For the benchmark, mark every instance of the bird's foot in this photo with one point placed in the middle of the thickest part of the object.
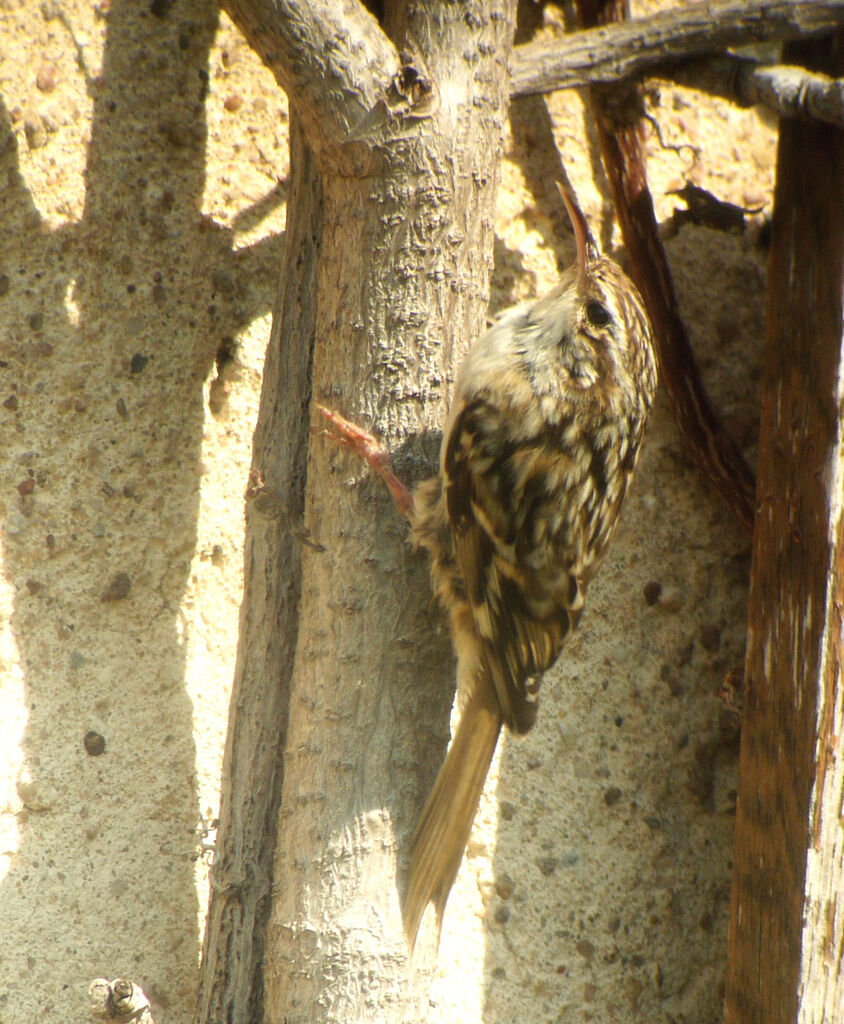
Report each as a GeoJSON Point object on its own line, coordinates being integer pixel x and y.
{"type": "Point", "coordinates": [368, 448]}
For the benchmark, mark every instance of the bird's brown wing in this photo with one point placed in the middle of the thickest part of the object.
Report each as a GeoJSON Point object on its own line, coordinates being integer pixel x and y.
{"type": "Point", "coordinates": [522, 613]}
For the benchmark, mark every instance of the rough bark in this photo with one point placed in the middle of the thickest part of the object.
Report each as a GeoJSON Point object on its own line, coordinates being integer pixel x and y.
{"type": "Point", "coordinates": [787, 917]}
{"type": "Point", "coordinates": [609, 53]}
{"type": "Point", "coordinates": [788, 91]}
{"type": "Point", "coordinates": [344, 677]}
{"type": "Point", "coordinates": [670, 43]}
{"type": "Point", "coordinates": [231, 986]}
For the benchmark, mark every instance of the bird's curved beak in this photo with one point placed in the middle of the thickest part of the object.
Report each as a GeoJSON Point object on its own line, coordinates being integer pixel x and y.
{"type": "Point", "coordinates": [587, 248]}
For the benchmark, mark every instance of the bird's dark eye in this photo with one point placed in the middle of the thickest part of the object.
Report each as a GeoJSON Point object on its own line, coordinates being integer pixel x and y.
{"type": "Point", "coordinates": [597, 314]}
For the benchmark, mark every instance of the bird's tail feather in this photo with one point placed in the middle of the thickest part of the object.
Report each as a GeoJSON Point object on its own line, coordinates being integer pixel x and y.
{"type": "Point", "coordinates": [446, 821]}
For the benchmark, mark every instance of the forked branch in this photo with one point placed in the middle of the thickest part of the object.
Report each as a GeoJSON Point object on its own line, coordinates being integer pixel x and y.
{"type": "Point", "coordinates": [332, 59]}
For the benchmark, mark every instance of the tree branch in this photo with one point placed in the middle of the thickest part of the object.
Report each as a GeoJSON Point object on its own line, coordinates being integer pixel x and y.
{"type": "Point", "coordinates": [626, 49]}
{"type": "Point", "coordinates": [619, 135]}
{"type": "Point", "coordinates": [339, 70]}
{"type": "Point", "coordinates": [787, 90]}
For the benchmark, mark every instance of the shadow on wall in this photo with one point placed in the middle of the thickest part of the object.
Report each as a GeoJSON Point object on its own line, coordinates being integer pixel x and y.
{"type": "Point", "coordinates": [101, 383]}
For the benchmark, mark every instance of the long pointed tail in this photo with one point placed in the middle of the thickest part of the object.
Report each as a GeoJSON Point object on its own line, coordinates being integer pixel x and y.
{"type": "Point", "coordinates": [446, 821]}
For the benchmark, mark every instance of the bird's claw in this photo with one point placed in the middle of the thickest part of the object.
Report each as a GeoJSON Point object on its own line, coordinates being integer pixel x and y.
{"type": "Point", "coordinates": [351, 436]}
{"type": "Point", "coordinates": [367, 447]}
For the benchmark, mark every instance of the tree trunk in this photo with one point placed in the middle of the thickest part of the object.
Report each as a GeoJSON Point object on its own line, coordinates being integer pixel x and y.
{"type": "Point", "coordinates": [343, 670]}
{"type": "Point", "coordinates": [787, 919]}
{"type": "Point", "coordinates": [231, 985]}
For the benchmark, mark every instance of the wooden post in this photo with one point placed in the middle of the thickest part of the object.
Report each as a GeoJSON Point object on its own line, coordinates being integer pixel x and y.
{"type": "Point", "coordinates": [787, 915]}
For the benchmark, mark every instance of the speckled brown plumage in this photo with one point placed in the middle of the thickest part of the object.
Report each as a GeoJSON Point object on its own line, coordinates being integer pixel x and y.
{"type": "Point", "coordinates": [538, 452]}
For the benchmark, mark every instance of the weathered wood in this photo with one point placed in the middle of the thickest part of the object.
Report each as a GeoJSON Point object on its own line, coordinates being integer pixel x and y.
{"type": "Point", "coordinates": [617, 111]}
{"type": "Point", "coordinates": [787, 914]}
{"type": "Point", "coordinates": [611, 52]}
{"type": "Point", "coordinates": [342, 678]}
{"type": "Point", "coordinates": [786, 90]}
{"type": "Point", "coordinates": [231, 985]}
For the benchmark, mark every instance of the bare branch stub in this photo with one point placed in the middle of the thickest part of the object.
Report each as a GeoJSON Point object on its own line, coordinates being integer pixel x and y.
{"type": "Point", "coordinates": [119, 1000]}
{"type": "Point", "coordinates": [617, 111]}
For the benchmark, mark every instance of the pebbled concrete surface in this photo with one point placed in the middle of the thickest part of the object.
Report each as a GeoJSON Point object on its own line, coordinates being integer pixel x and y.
{"type": "Point", "coordinates": [142, 167]}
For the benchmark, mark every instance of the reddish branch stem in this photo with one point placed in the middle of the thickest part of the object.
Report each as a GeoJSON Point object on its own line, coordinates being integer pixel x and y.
{"type": "Point", "coordinates": [619, 133]}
